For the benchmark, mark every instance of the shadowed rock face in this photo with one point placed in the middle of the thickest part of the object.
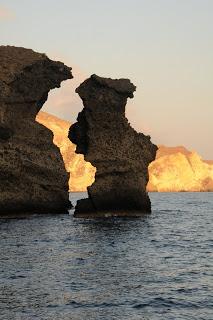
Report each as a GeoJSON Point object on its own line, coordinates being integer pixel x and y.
{"type": "Point", "coordinates": [32, 172]}
{"type": "Point", "coordinates": [120, 154]}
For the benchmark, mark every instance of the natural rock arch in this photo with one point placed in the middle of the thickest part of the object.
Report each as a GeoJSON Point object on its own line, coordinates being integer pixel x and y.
{"type": "Point", "coordinates": [32, 172]}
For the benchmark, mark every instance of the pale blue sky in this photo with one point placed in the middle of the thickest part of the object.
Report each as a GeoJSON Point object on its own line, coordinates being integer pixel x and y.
{"type": "Point", "coordinates": [164, 46]}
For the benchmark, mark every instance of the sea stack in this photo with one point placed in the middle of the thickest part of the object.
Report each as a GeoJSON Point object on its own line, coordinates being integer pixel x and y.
{"type": "Point", "coordinates": [32, 173]}
{"type": "Point", "coordinates": [120, 154]}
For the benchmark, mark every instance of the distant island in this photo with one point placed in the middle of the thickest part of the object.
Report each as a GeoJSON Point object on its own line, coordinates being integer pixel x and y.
{"type": "Point", "coordinates": [175, 169]}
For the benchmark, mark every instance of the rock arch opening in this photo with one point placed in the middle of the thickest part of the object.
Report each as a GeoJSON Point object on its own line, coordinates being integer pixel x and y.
{"type": "Point", "coordinates": [57, 115]}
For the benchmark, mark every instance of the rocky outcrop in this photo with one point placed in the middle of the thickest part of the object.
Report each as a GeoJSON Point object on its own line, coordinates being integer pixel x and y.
{"type": "Point", "coordinates": [32, 172]}
{"type": "Point", "coordinates": [120, 155]}
{"type": "Point", "coordinates": [178, 169]}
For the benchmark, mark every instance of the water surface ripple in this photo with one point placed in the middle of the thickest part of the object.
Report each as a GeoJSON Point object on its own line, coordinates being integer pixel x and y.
{"type": "Point", "coordinates": [156, 267]}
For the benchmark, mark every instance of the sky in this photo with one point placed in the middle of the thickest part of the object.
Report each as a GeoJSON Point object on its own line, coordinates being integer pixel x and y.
{"type": "Point", "coordinates": [165, 47]}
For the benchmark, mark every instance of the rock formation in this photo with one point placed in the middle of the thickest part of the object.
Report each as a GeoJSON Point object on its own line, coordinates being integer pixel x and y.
{"type": "Point", "coordinates": [175, 168]}
{"type": "Point", "coordinates": [120, 155]}
{"type": "Point", "coordinates": [32, 172]}
{"type": "Point", "coordinates": [178, 169]}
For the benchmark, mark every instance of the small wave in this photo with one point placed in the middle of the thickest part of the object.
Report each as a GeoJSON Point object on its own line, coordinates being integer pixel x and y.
{"type": "Point", "coordinates": [166, 302]}
{"type": "Point", "coordinates": [76, 304]}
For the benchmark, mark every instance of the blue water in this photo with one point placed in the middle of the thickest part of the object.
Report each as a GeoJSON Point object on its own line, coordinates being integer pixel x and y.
{"type": "Point", "coordinates": [156, 267]}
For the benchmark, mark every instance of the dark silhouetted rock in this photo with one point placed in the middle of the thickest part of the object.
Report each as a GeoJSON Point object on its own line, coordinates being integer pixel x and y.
{"type": "Point", "coordinates": [32, 172]}
{"type": "Point", "coordinates": [120, 154]}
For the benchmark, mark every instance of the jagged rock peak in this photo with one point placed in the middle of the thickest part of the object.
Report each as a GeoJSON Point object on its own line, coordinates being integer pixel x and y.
{"type": "Point", "coordinates": [32, 172]}
{"type": "Point", "coordinates": [120, 154]}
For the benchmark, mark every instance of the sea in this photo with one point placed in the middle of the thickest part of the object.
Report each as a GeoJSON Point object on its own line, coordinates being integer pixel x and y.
{"type": "Point", "coordinates": [159, 266]}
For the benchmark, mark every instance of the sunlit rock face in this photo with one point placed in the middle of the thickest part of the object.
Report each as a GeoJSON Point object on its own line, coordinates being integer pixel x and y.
{"type": "Point", "coordinates": [120, 155]}
{"type": "Point", "coordinates": [32, 173]}
{"type": "Point", "coordinates": [177, 169]}
{"type": "Point", "coordinates": [81, 172]}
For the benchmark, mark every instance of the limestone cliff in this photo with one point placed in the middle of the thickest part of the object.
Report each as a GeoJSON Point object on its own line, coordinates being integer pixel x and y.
{"type": "Point", "coordinates": [175, 168]}
{"type": "Point", "coordinates": [120, 155]}
{"type": "Point", "coordinates": [81, 172]}
{"type": "Point", "coordinates": [32, 173]}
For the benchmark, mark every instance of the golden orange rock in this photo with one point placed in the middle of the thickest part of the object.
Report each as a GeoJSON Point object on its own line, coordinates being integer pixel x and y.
{"type": "Point", "coordinates": [81, 172]}
{"type": "Point", "coordinates": [175, 168]}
